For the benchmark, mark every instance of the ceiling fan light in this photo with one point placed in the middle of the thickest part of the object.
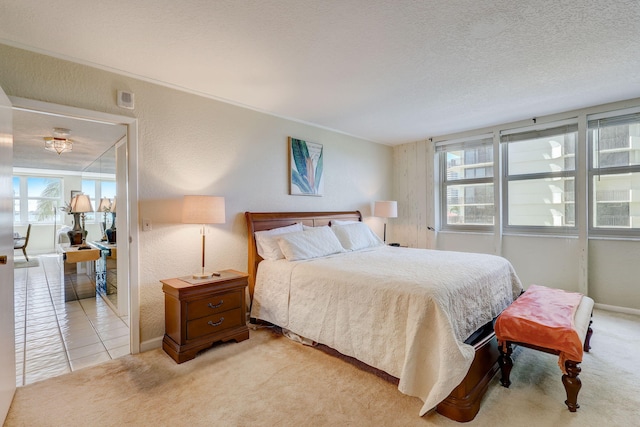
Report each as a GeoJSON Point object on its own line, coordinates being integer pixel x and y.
{"type": "Point", "coordinates": [58, 143]}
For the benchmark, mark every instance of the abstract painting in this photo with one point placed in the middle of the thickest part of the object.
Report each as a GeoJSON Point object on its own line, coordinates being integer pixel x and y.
{"type": "Point", "coordinates": [306, 168]}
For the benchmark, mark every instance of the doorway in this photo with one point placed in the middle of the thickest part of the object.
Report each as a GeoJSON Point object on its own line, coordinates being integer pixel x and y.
{"type": "Point", "coordinates": [55, 336]}
{"type": "Point", "coordinates": [45, 283]}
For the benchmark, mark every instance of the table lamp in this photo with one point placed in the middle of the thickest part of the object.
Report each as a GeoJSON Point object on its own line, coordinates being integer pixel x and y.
{"type": "Point", "coordinates": [82, 204]}
{"type": "Point", "coordinates": [104, 207]}
{"type": "Point", "coordinates": [385, 209]}
{"type": "Point", "coordinates": [203, 210]}
{"type": "Point", "coordinates": [111, 231]}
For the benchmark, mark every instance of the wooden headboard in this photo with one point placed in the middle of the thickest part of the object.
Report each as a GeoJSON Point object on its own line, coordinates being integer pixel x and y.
{"type": "Point", "coordinates": [258, 221]}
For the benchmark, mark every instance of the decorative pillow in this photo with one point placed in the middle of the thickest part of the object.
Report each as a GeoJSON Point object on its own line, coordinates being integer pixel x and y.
{"type": "Point", "coordinates": [356, 236]}
{"type": "Point", "coordinates": [312, 243]}
{"type": "Point", "coordinates": [343, 222]}
{"type": "Point", "coordinates": [267, 244]}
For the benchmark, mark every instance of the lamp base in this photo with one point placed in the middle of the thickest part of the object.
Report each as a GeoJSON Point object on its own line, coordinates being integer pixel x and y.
{"type": "Point", "coordinates": [111, 235]}
{"type": "Point", "coordinates": [103, 227]}
{"type": "Point", "coordinates": [205, 275]}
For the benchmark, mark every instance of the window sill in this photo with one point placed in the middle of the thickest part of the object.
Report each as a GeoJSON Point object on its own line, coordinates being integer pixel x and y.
{"type": "Point", "coordinates": [480, 232]}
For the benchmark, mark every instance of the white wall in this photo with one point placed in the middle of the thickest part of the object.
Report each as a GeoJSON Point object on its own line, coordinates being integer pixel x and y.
{"type": "Point", "coordinates": [614, 269]}
{"type": "Point", "coordinates": [193, 145]}
{"type": "Point", "coordinates": [605, 269]}
{"type": "Point", "coordinates": [545, 260]}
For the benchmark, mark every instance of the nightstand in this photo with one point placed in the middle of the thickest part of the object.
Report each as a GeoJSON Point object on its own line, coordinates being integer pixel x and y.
{"type": "Point", "coordinates": [201, 312]}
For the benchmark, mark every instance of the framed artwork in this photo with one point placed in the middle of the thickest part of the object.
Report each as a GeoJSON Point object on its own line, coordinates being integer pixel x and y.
{"type": "Point", "coordinates": [74, 193]}
{"type": "Point", "coordinates": [305, 168]}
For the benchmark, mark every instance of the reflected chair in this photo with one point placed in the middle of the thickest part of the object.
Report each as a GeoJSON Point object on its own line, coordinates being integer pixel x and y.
{"type": "Point", "coordinates": [22, 243]}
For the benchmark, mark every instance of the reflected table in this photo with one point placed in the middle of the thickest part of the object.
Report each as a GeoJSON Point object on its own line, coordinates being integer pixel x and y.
{"type": "Point", "coordinates": [106, 268]}
{"type": "Point", "coordinates": [78, 272]}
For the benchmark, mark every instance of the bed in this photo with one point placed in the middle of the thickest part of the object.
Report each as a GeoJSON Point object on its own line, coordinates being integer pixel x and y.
{"type": "Point", "coordinates": [424, 317]}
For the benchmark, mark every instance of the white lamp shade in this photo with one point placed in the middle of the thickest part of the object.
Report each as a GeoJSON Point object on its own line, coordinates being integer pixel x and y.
{"type": "Point", "coordinates": [203, 210]}
{"type": "Point", "coordinates": [105, 205]}
{"type": "Point", "coordinates": [81, 203]}
{"type": "Point", "coordinates": [385, 209]}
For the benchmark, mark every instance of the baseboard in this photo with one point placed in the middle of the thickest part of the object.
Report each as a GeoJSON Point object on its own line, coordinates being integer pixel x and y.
{"type": "Point", "coordinates": [617, 309]}
{"type": "Point", "coordinates": [151, 344]}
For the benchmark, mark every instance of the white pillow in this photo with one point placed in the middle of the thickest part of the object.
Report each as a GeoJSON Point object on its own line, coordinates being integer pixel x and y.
{"type": "Point", "coordinates": [266, 242]}
{"type": "Point", "coordinates": [343, 222]}
{"type": "Point", "coordinates": [356, 236]}
{"type": "Point", "coordinates": [312, 243]}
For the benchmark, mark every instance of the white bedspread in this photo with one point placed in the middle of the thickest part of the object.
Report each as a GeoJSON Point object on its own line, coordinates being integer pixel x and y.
{"type": "Point", "coordinates": [403, 311]}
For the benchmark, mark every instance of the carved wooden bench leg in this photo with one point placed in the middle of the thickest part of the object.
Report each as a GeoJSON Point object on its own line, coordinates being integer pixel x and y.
{"type": "Point", "coordinates": [509, 332]}
{"type": "Point", "coordinates": [572, 384]}
{"type": "Point", "coordinates": [506, 364]}
{"type": "Point", "coordinates": [587, 339]}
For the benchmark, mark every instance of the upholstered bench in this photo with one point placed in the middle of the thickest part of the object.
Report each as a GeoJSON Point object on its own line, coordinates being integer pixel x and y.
{"type": "Point", "coordinates": [549, 320]}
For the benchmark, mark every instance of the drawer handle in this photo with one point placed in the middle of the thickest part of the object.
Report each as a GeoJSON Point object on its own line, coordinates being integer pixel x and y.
{"type": "Point", "coordinates": [218, 323]}
{"type": "Point", "coordinates": [217, 305]}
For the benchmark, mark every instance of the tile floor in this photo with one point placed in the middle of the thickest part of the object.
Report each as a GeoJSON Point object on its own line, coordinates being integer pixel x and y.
{"type": "Point", "coordinates": [54, 337]}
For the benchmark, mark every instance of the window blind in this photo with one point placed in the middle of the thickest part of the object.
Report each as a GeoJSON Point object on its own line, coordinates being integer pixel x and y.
{"type": "Point", "coordinates": [461, 144]}
{"type": "Point", "coordinates": [539, 133]}
{"type": "Point", "coordinates": [613, 121]}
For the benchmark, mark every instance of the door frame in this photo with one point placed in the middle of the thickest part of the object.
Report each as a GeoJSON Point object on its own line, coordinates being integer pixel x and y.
{"type": "Point", "coordinates": [131, 225]}
{"type": "Point", "coordinates": [7, 297]}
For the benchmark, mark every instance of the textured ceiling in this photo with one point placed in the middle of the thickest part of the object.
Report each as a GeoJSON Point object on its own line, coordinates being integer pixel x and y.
{"type": "Point", "coordinates": [93, 143]}
{"type": "Point", "coordinates": [390, 71]}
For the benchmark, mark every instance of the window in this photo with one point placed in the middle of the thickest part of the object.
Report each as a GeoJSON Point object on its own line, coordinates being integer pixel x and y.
{"type": "Point", "coordinates": [467, 184]}
{"type": "Point", "coordinates": [36, 199]}
{"type": "Point", "coordinates": [539, 178]}
{"type": "Point", "coordinates": [614, 173]}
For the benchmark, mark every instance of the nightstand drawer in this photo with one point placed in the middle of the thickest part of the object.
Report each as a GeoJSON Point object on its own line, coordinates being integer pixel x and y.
{"type": "Point", "coordinates": [215, 323]}
{"type": "Point", "coordinates": [213, 304]}
{"type": "Point", "coordinates": [197, 315]}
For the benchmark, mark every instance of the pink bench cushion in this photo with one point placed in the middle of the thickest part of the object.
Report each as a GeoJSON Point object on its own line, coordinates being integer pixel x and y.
{"type": "Point", "coordinates": [543, 317]}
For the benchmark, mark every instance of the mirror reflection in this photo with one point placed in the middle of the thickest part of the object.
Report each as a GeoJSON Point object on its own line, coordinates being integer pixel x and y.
{"type": "Point", "coordinates": [99, 182]}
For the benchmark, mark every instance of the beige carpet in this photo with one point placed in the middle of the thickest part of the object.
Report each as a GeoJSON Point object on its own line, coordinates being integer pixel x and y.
{"type": "Point", "coordinates": [271, 381]}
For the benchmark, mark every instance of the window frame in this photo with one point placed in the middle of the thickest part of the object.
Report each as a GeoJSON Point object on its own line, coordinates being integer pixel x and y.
{"type": "Point", "coordinates": [442, 148]}
{"type": "Point", "coordinates": [530, 133]}
{"type": "Point", "coordinates": [617, 117]}
{"type": "Point", "coordinates": [23, 199]}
